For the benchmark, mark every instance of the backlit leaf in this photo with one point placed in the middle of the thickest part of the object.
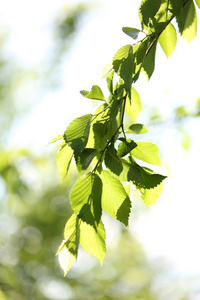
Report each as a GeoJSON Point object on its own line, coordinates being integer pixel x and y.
{"type": "Point", "coordinates": [187, 21]}
{"type": "Point", "coordinates": [133, 106]}
{"type": "Point", "coordinates": [67, 252]}
{"type": "Point", "coordinates": [59, 137]}
{"type": "Point", "coordinates": [76, 134]}
{"type": "Point", "coordinates": [168, 39]}
{"type": "Point", "coordinates": [147, 152]}
{"type": "Point", "coordinates": [96, 93]}
{"type": "Point", "coordinates": [137, 129]}
{"type": "Point", "coordinates": [85, 158]}
{"type": "Point", "coordinates": [92, 239]}
{"type": "Point", "coordinates": [149, 62]}
{"type": "Point", "coordinates": [148, 9]}
{"type": "Point", "coordinates": [125, 146]}
{"type": "Point", "coordinates": [115, 199]}
{"type": "Point", "coordinates": [150, 196]}
{"type": "Point", "coordinates": [63, 160]}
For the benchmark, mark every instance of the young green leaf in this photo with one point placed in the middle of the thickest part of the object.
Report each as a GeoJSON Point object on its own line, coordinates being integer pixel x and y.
{"type": "Point", "coordinates": [133, 106]}
{"type": "Point", "coordinates": [150, 196]}
{"type": "Point", "coordinates": [107, 69]}
{"type": "Point", "coordinates": [85, 158]}
{"type": "Point", "coordinates": [149, 61]}
{"type": "Point", "coordinates": [76, 134]}
{"type": "Point", "coordinates": [148, 9]}
{"type": "Point", "coordinates": [59, 137]}
{"type": "Point", "coordinates": [114, 198]}
{"type": "Point", "coordinates": [197, 3]}
{"type": "Point", "coordinates": [110, 82]}
{"type": "Point", "coordinates": [63, 159]}
{"type": "Point", "coordinates": [137, 129]}
{"type": "Point", "coordinates": [168, 39]}
{"type": "Point", "coordinates": [187, 21]}
{"type": "Point", "coordinates": [132, 32]}
{"type": "Point", "coordinates": [125, 146]}
{"type": "Point", "coordinates": [68, 249]}
{"type": "Point", "coordinates": [147, 152]}
{"type": "Point", "coordinates": [95, 94]}
{"type": "Point", "coordinates": [92, 240]}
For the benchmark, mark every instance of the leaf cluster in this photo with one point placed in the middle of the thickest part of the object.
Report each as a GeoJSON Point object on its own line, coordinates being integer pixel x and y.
{"type": "Point", "coordinates": [107, 150]}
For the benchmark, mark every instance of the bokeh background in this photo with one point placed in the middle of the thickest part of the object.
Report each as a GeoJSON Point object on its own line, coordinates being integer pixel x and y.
{"type": "Point", "coordinates": [49, 51]}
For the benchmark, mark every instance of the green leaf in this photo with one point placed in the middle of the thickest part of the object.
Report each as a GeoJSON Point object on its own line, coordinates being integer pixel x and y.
{"type": "Point", "coordinates": [133, 106]}
{"type": "Point", "coordinates": [140, 56]}
{"type": "Point", "coordinates": [92, 240]}
{"type": "Point", "coordinates": [148, 9]}
{"type": "Point", "coordinates": [59, 137]}
{"type": "Point", "coordinates": [175, 6]}
{"type": "Point", "coordinates": [110, 82]}
{"type": "Point", "coordinates": [149, 62]}
{"type": "Point", "coordinates": [81, 192]}
{"type": "Point", "coordinates": [96, 93]}
{"type": "Point", "coordinates": [115, 199]}
{"type": "Point", "coordinates": [197, 3]}
{"type": "Point", "coordinates": [132, 32]}
{"type": "Point", "coordinates": [123, 64]}
{"type": "Point", "coordinates": [147, 152]}
{"type": "Point", "coordinates": [125, 146]}
{"type": "Point", "coordinates": [150, 196]}
{"type": "Point", "coordinates": [187, 21]}
{"type": "Point", "coordinates": [76, 134]}
{"type": "Point", "coordinates": [68, 249]}
{"type": "Point", "coordinates": [107, 69]}
{"type": "Point", "coordinates": [137, 129]}
{"type": "Point", "coordinates": [168, 39]}
{"type": "Point", "coordinates": [85, 158]}
{"type": "Point", "coordinates": [92, 210]}
{"type": "Point", "coordinates": [63, 160]}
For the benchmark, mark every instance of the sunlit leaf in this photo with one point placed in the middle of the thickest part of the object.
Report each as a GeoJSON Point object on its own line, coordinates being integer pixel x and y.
{"type": "Point", "coordinates": [76, 134]}
{"type": "Point", "coordinates": [115, 200]}
{"type": "Point", "coordinates": [197, 3]}
{"type": "Point", "coordinates": [67, 252]}
{"type": "Point", "coordinates": [107, 69]}
{"type": "Point", "coordinates": [63, 160]}
{"type": "Point", "coordinates": [148, 9]}
{"type": "Point", "coordinates": [147, 152]}
{"type": "Point", "coordinates": [149, 62]}
{"type": "Point", "coordinates": [168, 39]}
{"type": "Point", "coordinates": [59, 137]}
{"type": "Point", "coordinates": [187, 21]}
{"type": "Point", "coordinates": [96, 93]}
{"type": "Point", "coordinates": [92, 239]}
{"type": "Point", "coordinates": [133, 106]}
{"type": "Point", "coordinates": [85, 158]}
{"type": "Point", "coordinates": [137, 129]}
{"type": "Point", "coordinates": [125, 146]}
{"type": "Point", "coordinates": [150, 196]}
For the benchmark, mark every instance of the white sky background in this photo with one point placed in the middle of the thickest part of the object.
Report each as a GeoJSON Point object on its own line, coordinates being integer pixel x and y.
{"type": "Point", "coordinates": [170, 228]}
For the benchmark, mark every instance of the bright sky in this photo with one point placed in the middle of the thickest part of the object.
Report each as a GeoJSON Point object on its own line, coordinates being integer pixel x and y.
{"type": "Point", "coordinates": [170, 228]}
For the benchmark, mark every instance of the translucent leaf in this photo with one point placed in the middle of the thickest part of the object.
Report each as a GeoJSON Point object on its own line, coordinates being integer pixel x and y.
{"type": "Point", "coordinates": [125, 146]}
{"type": "Point", "coordinates": [76, 134]}
{"type": "Point", "coordinates": [132, 32]}
{"type": "Point", "coordinates": [68, 249]}
{"type": "Point", "coordinates": [197, 3]}
{"type": "Point", "coordinates": [85, 158]}
{"type": "Point", "coordinates": [168, 39]}
{"type": "Point", "coordinates": [92, 239]}
{"type": "Point", "coordinates": [149, 62]}
{"type": "Point", "coordinates": [81, 192]}
{"type": "Point", "coordinates": [175, 6]}
{"type": "Point", "coordinates": [59, 137]}
{"type": "Point", "coordinates": [137, 129]}
{"type": "Point", "coordinates": [107, 69]}
{"type": "Point", "coordinates": [96, 93]}
{"type": "Point", "coordinates": [147, 152]}
{"type": "Point", "coordinates": [115, 199]}
{"type": "Point", "coordinates": [140, 57]}
{"type": "Point", "coordinates": [87, 191]}
{"type": "Point", "coordinates": [63, 160]}
{"type": "Point", "coordinates": [110, 82]}
{"type": "Point", "coordinates": [187, 21]}
{"type": "Point", "coordinates": [150, 196]}
{"type": "Point", "coordinates": [148, 9]}
{"type": "Point", "coordinates": [133, 106]}
{"type": "Point", "coordinates": [123, 64]}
